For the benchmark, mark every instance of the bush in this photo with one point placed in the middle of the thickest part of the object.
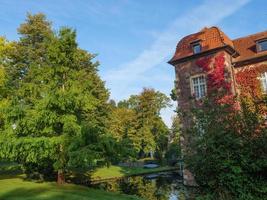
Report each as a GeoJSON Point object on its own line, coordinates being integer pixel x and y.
{"type": "Point", "coordinates": [173, 153]}
{"type": "Point", "coordinates": [229, 157]}
{"type": "Point", "coordinates": [40, 171]}
{"type": "Point", "coordinates": [9, 168]}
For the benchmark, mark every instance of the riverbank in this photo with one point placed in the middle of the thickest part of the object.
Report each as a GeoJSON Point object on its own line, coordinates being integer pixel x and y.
{"type": "Point", "coordinates": [15, 188]}
{"type": "Point", "coordinates": [162, 185]}
{"type": "Point", "coordinates": [114, 172]}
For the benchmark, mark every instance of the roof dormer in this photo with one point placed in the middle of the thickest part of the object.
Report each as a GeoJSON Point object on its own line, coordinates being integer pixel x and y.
{"type": "Point", "coordinates": [196, 47]}
{"type": "Point", "coordinates": [261, 45]}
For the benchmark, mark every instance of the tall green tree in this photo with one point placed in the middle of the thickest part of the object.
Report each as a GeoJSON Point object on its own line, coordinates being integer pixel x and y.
{"type": "Point", "coordinates": [5, 47]}
{"type": "Point", "coordinates": [58, 100]}
{"type": "Point", "coordinates": [148, 131]}
{"type": "Point", "coordinates": [174, 147]}
{"type": "Point", "coordinates": [150, 126]}
{"type": "Point", "coordinates": [123, 128]}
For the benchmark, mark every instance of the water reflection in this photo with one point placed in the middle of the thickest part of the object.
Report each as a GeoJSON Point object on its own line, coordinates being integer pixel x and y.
{"type": "Point", "coordinates": [163, 186]}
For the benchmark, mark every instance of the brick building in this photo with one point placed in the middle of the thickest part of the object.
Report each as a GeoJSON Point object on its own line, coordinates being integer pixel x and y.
{"type": "Point", "coordinates": [239, 55]}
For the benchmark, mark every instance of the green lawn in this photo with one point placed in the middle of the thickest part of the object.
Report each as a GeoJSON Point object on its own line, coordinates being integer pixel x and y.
{"type": "Point", "coordinates": [117, 171]}
{"type": "Point", "coordinates": [14, 188]}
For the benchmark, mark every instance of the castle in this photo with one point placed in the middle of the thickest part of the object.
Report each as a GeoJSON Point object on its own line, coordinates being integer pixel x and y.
{"type": "Point", "coordinates": [197, 52]}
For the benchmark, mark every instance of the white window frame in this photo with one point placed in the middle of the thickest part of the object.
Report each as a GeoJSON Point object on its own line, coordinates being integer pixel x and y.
{"type": "Point", "coordinates": [198, 85]}
{"type": "Point", "coordinates": [263, 80]}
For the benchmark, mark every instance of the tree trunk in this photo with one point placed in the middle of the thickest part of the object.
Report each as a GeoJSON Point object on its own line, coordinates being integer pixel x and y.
{"type": "Point", "coordinates": [60, 177]}
{"type": "Point", "coordinates": [60, 172]}
{"type": "Point", "coordinates": [151, 154]}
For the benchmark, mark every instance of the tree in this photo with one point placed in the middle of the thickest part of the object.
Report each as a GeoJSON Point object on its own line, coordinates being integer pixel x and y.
{"type": "Point", "coordinates": [112, 103]}
{"type": "Point", "coordinates": [148, 132]}
{"type": "Point", "coordinates": [123, 129]}
{"type": "Point", "coordinates": [175, 129]}
{"type": "Point", "coordinates": [59, 105]}
{"type": "Point", "coordinates": [5, 47]}
{"type": "Point", "coordinates": [174, 148]}
{"type": "Point", "coordinates": [148, 106]}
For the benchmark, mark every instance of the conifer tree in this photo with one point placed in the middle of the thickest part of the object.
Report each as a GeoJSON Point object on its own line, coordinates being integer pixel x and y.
{"type": "Point", "coordinates": [58, 110]}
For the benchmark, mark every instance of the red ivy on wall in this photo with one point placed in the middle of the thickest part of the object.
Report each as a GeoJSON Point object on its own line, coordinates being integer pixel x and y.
{"type": "Point", "coordinates": [250, 87]}
{"type": "Point", "coordinates": [249, 83]}
{"type": "Point", "coordinates": [218, 85]}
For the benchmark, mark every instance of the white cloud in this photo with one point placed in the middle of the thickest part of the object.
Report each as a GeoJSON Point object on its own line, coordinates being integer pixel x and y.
{"type": "Point", "coordinates": [210, 12]}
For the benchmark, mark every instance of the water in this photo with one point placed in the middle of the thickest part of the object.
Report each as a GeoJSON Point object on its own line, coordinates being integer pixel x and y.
{"type": "Point", "coordinates": [161, 186]}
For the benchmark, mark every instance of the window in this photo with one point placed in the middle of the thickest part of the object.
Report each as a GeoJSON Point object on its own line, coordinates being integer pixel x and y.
{"type": "Point", "coordinates": [198, 86]}
{"type": "Point", "coordinates": [263, 79]}
{"type": "Point", "coordinates": [262, 45]}
{"type": "Point", "coordinates": [196, 47]}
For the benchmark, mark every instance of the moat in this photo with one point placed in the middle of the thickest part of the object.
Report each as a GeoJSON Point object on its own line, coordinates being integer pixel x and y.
{"type": "Point", "coordinates": [159, 186]}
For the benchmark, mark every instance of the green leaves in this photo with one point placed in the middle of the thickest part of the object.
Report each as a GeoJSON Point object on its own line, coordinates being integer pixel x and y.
{"type": "Point", "coordinates": [228, 159]}
{"type": "Point", "coordinates": [28, 149]}
{"type": "Point", "coordinates": [54, 91]}
{"type": "Point", "coordinates": [137, 124]}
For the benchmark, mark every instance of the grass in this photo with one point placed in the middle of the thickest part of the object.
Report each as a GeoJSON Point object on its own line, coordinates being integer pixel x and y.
{"type": "Point", "coordinates": [15, 188]}
{"type": "Point", "coordinates": [118, 172]}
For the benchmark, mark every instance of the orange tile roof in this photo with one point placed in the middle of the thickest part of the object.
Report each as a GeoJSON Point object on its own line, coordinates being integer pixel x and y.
{"type": "Point", "coordinates": [210, 38]}
{"type": "Point", "coordinates": [246, 46]}
{"type": "Point", "coordinates": [213, 37]}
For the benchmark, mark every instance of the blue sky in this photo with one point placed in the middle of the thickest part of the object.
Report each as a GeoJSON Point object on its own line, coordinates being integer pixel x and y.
{"type": "Point", "coordinates": [134, 39]}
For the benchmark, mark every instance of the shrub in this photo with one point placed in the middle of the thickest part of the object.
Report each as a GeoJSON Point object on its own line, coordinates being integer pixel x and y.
{"type": "Point", "coordinates": [229, 157]}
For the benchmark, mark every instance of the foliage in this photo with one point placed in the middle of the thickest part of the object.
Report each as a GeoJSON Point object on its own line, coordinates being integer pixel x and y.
{"type": "Point", "coordinates": [174, 149]}
{"type": "Point", "coordinates": [5, 47]}
{"type": "Point", "coordinates": [56, 109]}
{"type": "Point", "coordinates": [218, 78]}
{"type": "Point", "coordinates": [149, 124]}
{"type": "Point", "coordinates": [173, 153]}
{"type": "Point", "coordinates": [122, 128]}
{"type": "Point", "coordinates": [55, 114]}
{"type": "Point", "coordinates": [174, 95]}
{"type": "Point", "coordinates": [228, 157]}
{"type": "Point", "coordinates": [229, 160]}
{"type": "Point", "coordinates": [250, 88]}
{"type": "Point", "coordinates": [9, 168]}
{"type": "Point", "coordinates": [138, 126]}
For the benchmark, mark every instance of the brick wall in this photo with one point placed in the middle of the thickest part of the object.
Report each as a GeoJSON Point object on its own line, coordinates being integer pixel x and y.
{"type": "Point", "coordinates": [183, 73]}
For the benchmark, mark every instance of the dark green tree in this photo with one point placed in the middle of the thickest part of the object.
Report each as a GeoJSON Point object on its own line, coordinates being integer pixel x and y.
{"type": "Point", "coordinates": [59, 105]}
